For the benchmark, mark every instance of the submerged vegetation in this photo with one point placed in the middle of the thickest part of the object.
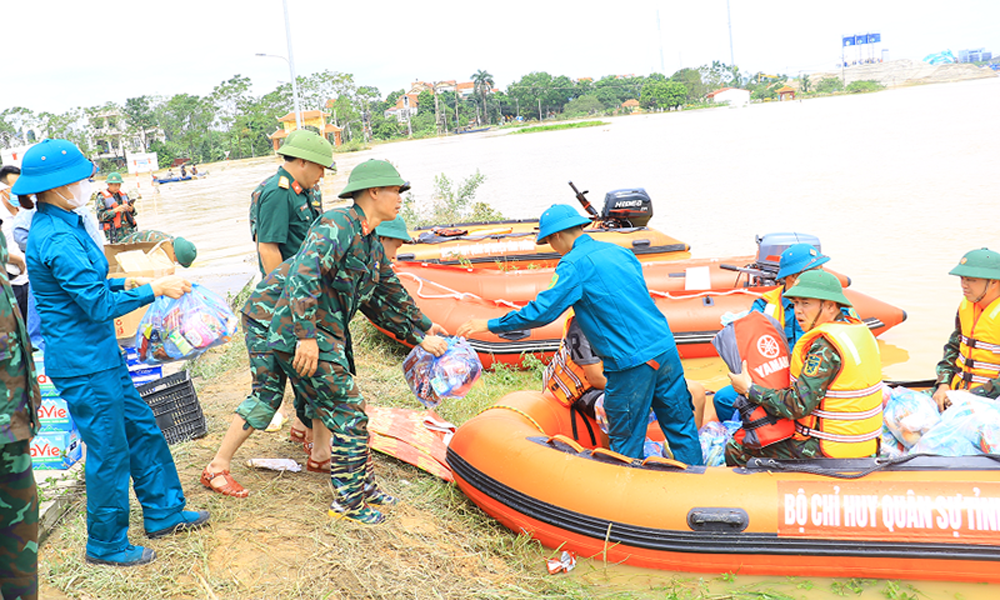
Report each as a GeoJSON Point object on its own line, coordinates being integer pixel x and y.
{"type": "Point", "coordinates": [556, 127]}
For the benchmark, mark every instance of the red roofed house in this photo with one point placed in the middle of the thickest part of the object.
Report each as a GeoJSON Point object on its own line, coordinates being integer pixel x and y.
{"type": "Point", "coordinates": [631, 105]}
{"type": "Point", "coordinates": [785, 92]}
{"type": "Point", "coordinates": [734, 96]}
{"type": "Point", "coordinates": [406, 107]}
{"type": "Point", "coordinates": [310, 118]}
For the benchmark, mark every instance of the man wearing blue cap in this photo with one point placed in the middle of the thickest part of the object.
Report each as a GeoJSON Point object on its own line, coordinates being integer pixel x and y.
{"type": "Point", "coordinates": [604, 285]}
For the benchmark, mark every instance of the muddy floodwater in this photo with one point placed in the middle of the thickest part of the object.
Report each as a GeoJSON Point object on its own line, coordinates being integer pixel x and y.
{"type": "Point", "coordinates": [897, 185]}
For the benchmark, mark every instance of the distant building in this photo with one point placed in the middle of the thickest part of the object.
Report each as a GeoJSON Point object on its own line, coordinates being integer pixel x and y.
{"type": "Point", "coordinates": [110, 136]}
{"type": "Point", "coordinates": [310, 118]}
{"type": "Point", "coordinates": [785, 92]}
{"type": "Point", "coordinates": [734, 96]}
{"type": "Point", "coordinates": [631, 105]}
{"type": "Point", "coordinates": [977, 55]}
{"type": "Point", "coordinates": [405, 108]}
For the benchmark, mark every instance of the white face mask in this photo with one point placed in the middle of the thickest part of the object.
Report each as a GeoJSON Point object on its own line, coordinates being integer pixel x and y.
{"type": "Point", "coordinates": [80, 194]}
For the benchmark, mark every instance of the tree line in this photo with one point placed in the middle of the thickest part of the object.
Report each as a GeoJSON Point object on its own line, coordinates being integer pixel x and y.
{"type": "Point", "coordinates": [231, 122]}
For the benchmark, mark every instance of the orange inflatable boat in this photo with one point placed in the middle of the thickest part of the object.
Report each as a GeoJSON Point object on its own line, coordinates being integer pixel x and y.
{"type": "Point", "coordinates": [917, 517]}
{"type": "Point", "coordinates": [450, 296]}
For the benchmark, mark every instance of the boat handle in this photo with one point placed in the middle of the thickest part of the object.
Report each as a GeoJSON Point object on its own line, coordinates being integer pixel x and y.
{"type": "Point", "coordinates": [605, 453]}
{"type": "Point", "coordinates": [662, 461]}
{"type": "Point", "coordinates": [407, 256]}
{"type": "Point", "coordinates": [718, 519]}
{"type": "Point", "coordinates": [562, 439]}
{"type": "Point", "coordinates": [643, 243]}
{"type": "Point", "coordinates": [708, 301]}
{"type": "Point", "coordinates": [517, 334]}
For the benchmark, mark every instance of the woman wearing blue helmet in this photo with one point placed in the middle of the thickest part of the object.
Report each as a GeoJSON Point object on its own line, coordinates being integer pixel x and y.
{"type": "Point", "coordinates": [77, 304]}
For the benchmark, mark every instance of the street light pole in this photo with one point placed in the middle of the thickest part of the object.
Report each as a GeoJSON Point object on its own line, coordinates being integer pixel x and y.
{"type": "Point", "coordinates": [291, 67]}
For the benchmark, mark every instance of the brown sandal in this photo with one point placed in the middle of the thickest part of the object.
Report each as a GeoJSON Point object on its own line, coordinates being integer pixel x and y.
{"type": "Point", "coordinates": [227, 486]}
{"type": "Point", "coordinates": [318, 467]}
{"type": "Point", "coordinates": [297, 435]}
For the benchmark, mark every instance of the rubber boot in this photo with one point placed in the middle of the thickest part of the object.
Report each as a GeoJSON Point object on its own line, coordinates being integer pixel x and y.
{"type": "Point", "coordinates": [347, 480]}
{"type": "Point", "coordinates": [374, 495]}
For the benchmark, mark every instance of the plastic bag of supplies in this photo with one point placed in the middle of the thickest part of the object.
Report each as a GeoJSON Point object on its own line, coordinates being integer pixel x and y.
{"type": "Point", "coordinates": [182, 328]}
{"type": "Point", "coordinates": [714, 436]}
{"type": "Point", "coordinates": [909, 415]}
{"type": "Point", "coordinates": [451, 375]}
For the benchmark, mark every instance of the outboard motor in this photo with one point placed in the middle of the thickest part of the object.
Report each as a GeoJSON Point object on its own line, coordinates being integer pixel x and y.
{"type": "Point", "coordinates": [769, 248]}
{"type": "Point", "coordinates": [627, 208]}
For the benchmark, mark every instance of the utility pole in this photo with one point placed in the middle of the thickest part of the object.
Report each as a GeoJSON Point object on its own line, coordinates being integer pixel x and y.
{"type": "Point", "coordinates": [660, 35]}
{"type": "Point", "coordinates": [291, 67]}
{"type": "Point", "coordinates": [732, 60]}
{"type": "Point", "coordinates": [540, 110]}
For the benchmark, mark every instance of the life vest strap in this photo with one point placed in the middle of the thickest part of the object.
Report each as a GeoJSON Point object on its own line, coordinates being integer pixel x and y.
{"type": "Point", "coordinates": [968, 363]}
{"type": "Point", "coordinates": [848, 416]}
{"type": "Point", "coordinates": [837, 437]}
{"type": "Point", "coordinates": [854, 393]}
{"type": "Point", "coordinates": [974, 343]}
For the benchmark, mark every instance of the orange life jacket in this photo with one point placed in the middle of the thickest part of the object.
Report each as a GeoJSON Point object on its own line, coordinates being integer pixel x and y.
{"type": "Point", "coordinates": [848, 421]}
{"type": "Point", "coordinates": [979, 350]}
{"type": "Point", "coordinates": [565, 379]}
{"type": "Point", "coordinates": [109, 202]}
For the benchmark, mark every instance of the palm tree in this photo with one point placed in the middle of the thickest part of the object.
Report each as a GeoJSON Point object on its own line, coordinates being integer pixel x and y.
{"type": "Point", "coordinates": [482, 83]}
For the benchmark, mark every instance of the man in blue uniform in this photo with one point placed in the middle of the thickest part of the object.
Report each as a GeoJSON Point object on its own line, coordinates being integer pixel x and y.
{"type": "Point", "coordinates": [603, 283]}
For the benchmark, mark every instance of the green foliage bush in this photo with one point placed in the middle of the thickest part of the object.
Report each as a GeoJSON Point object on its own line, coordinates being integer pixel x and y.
{"type": "Point", "coordinates": [450, 204]}
{"type": "Point", "coordinates": [864, 85]}
{"type": "Point", "coordinates": [829, 85]}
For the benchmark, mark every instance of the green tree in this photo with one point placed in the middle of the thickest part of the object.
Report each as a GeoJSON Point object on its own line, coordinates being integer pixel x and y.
{"type": "Point", "coordinates": [659, 92]}
{"type": "Point", "coordinates": [691, 80]}
{"type": "Point", "coordinates": [805, 85]}
{"type": "Point", "coordinates": [230, 100]}
{"type": "Point", "coordinates": [140, 118]}
{"type": "Point", "coordinates": [864, 85]}
{"type": "Point", "coordinates": [67, 126]}
{"type": "Point", "coordinates": [425, 103]}
{"type": "Point", "coordinates": [482, 83]}
{"type": "Point", "coordinates": [186, 120]}
{"type": "Point", "coordinates": [583, 105]}
{"type": "Point", "coordinates": [829, 85]}
{"type": "Point", "coordinates": [19, 119]}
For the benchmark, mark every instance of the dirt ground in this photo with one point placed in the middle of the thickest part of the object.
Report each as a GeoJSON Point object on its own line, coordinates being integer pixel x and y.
{"type": "Point", "coordinates": [280, 543]}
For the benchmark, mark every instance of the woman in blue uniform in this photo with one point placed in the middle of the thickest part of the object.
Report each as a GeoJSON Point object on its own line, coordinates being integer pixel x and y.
{"type": "Point", "coordinates": [77, 304]}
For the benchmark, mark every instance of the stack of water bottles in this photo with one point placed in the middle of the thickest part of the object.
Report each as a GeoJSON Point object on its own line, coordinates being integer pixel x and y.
{"type": "Point", "coordinates": [57, 445]}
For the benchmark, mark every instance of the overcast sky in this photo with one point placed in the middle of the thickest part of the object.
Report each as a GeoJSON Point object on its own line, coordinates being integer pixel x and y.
{"type": "Point", "coordinates": [66, 53]}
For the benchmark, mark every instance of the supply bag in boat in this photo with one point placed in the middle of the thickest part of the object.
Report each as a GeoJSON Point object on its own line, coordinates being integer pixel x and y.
{"type": "Point", "coordinates": [177, 329]}
{"type": "Point", "coordinates": [909, 414]}
{"type": "Point", "coordinates": [757, 339]}
{"type": "Point", "coordinates": [451, 375]}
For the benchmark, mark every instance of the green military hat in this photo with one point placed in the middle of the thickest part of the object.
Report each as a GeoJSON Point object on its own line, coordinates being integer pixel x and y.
{"type": "Point", "coordinates": [820, 285]}
{"type": "Point", "coordinates": [372, 174]}
{"type": "Point", "coordinates": [395, 229]}
{"type": "Point", "coordinates": [978, 264]}
{"type": "Point", "coordinates": [184, 251]}
{"type": "Point", "coordinates": [308, 145]}
{"type": "Point", "coordinates": [115, 177]}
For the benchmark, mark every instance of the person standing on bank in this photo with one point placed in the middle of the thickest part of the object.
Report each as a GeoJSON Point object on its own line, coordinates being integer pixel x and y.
{"type": "Point", "coordinates": [341, 269]}
{"type": "Point", "coordinates": [604, 285]}
{"type": "Point", "coordinates": [283, 208]}
{"type": "Point", "coordinates": [77, 304]}
{"type": "Point", "coordinates": [114, 209]}
{"type": "Point", "coordinates": [19, 403]}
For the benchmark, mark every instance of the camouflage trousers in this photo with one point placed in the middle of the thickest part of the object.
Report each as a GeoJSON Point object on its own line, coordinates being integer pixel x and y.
{"type": "Point", "coordinates": [335, 400]}
{"type": "Point", "coordinates": [268, 387]}
{"type": "Point", "coordinates": [115, 236]}
{"type": "Point", "coordinates": [18, 523]}
{"type": "Point", "coordinates": [737, 455]}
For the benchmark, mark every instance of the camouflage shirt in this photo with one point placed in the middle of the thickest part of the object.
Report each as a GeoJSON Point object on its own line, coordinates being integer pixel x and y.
{"type": "Point", "coordinates": [20, 396]}
{"type": "Point", "coordinates": [146, 235]}
{"type": "Point", "coordinates": [804, 396]}
{"type": "Point", "coordinates": [106, 215]}
{"type": "Point", "coordinates": [340, 269]}
{"type": "Point", "coordinates": [260, 305]}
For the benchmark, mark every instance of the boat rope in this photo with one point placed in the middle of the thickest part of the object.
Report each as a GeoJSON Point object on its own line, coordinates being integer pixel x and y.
{"type": "Point", "coordinates": [518, 411]}
{"type": "Point", "coordinates": [879, 464]}
{"type": "Point", "coordinates": [659, 294]}
{"type": "Point", "coordinates": [450, 293]}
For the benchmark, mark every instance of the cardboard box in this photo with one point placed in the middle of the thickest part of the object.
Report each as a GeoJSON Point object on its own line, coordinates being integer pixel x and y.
{"type": "Point", "coordinates": [126, 325]}
{"type": "Point", "coordinates": [45, 384]}
{"type": "Point", "coordinates": [53, 415]}
{"type": "Point", "coordinates": [58, 450]}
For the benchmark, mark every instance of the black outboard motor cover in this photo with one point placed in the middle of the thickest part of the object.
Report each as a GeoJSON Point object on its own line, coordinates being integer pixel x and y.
{"type": "Point", "coordinates": [630, 208]}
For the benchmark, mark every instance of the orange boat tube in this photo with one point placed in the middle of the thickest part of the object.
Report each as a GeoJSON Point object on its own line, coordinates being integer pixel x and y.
{"type": "Point", "coordinates": [916, 517]}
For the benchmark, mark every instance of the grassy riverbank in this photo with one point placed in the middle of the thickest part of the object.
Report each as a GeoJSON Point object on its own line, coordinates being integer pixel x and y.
{"type": "Point", "coordinates": [558, 126]}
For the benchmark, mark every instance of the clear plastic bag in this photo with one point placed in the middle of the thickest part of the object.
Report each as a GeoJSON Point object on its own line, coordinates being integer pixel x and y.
{"type": "Point", "coordinates": [451, 375]}
{"type": "Point", "coordinates": [955, 436]}
{"type": "Point", "coordinates": [714, 436]}
{"type": "Point", "coordinates": [182, 328]}
{"type": "Point", "coordinates": [890, 446]}
{"type": "Point", "coordinates": [909, 415]}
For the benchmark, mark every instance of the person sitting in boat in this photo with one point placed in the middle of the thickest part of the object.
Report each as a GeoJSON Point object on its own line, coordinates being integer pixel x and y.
{"type": "Point", "coordinates": [114, 209]}
{"type": "Point", "coordinates": [972, 355]}
{"type": "Point", "coordinates": [836, 393]}
{"type": "Point", "coordinates": [604, 285]}
{"type": "Point", "coordinates": [575, 375]}
{"type": "Point", "coordinates": [393, 235]}
{"type": "Point", "coordinates": [183, 171]}
{"type": "Point", "coordinates": [795, 260]}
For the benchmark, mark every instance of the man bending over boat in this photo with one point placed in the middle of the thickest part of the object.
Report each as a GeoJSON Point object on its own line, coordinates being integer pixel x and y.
{"type": "Point", "coordinates": [972, 355]}
{"type": "Point", "coordinates": [604, 285]}
{"type": "Point", "coordinates": [835, 397]}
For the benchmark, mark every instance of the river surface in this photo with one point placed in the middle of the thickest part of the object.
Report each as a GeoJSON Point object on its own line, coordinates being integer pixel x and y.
{"type": "Point", "coordinates": [897, 185]}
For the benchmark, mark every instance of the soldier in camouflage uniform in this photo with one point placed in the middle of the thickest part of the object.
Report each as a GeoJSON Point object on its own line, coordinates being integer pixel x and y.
{"type": "Point", "coordinates": [114, 210]}
{"type": "Point", "coordinates": [267, 391]}
{"type": "Point", "coordinates": [19, 403]}
{"type": "Point", "coordinates": [821, 366]}
{"type": "Point", "coordinates": [184, 251]}
{"type": "Point", "coordinates": [340, 269]}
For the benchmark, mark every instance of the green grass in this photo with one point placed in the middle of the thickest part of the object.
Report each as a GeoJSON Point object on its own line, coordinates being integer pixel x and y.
{"type": "Point", "coordinates": [558, 126]}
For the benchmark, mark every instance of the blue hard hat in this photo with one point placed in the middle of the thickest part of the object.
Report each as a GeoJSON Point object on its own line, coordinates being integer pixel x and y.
{"type": "Point", "coordinates": [798, 258]}
{"type": "Point", "coordinates": [51, 164]}
{"type": "Point", "coordinates": [558, 217]}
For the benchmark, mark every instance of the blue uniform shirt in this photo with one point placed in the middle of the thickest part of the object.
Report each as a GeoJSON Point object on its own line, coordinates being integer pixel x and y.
{"type": "Point", "coordinates": [604, 284]}
{"type": "Point", "coordinates": [76, 301]}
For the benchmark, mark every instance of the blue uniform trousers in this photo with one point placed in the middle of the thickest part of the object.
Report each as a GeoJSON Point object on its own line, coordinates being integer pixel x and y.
{"type": "Point", "coordinates": [629, 396]}
{"type": "Point", "coordinates": [123, 441]}
{"type": "Point", "coordinates": [723, 401]}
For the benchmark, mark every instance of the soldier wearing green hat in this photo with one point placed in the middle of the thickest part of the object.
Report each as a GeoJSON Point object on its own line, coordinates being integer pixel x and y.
{"type": "Point", "coordinates": [114, 209]}
{"type": "Point", "coordinates": [835, 395]}
{"type": "Point", "coordinates": [972, 355]}
{"type": "Point", "coordinates": [393, 235]}
{"type": "Point", "coordinates": [284, 206]}
{"type": "Point", "coordinates": [341, 269]}
{"type": "Point", "coordinates": [184, 251]}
